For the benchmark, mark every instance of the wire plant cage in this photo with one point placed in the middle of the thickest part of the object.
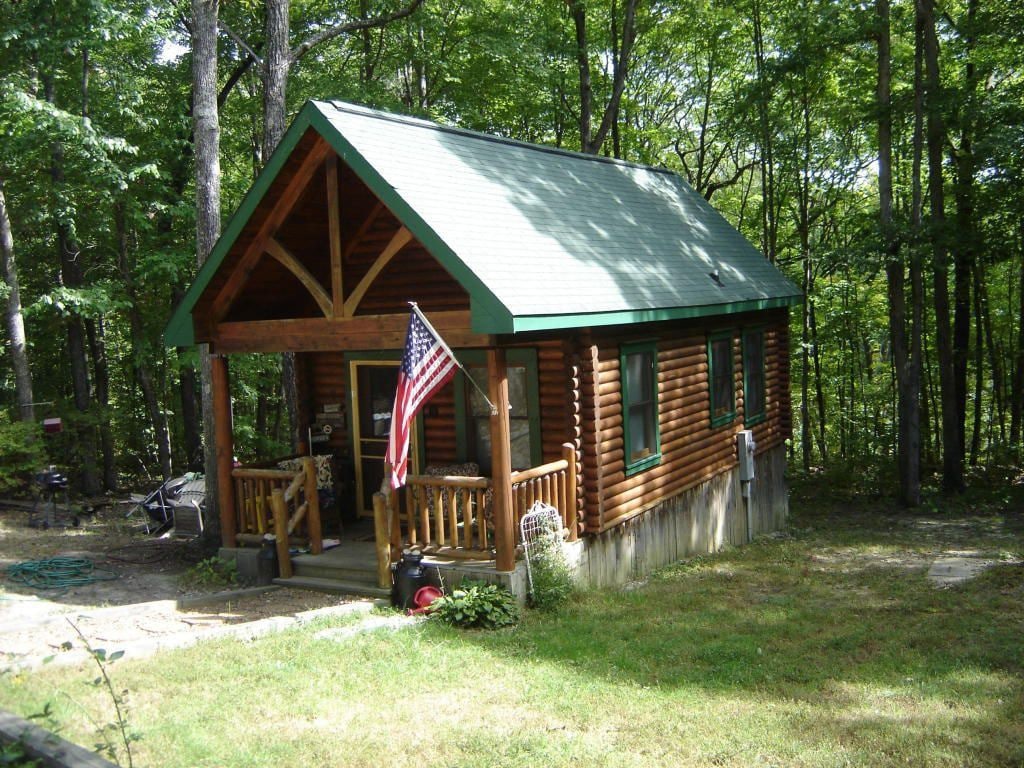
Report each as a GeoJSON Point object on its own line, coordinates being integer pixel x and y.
{"type": "Point", "coordinates": [541, 532]}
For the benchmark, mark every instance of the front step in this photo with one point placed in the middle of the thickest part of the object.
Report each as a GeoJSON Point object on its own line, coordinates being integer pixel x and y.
{"type": "Point", "coordinates": [335, 586]}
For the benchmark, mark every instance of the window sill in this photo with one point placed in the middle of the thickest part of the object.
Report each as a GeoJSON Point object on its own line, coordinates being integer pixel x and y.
{"type": "Point", "coordinates": [641, 464]}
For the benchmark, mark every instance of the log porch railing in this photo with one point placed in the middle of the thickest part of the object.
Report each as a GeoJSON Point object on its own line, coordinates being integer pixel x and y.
{"type": "Point", "coordinates": [451, 516]}
{"type": "Point", "coordinates": [281, 502]}
{"type": "Point", "coordinates": [552, 484]}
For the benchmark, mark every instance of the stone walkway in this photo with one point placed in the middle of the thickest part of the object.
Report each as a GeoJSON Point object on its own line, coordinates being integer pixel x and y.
{"type": "Point", "coordinates": [958, 567]}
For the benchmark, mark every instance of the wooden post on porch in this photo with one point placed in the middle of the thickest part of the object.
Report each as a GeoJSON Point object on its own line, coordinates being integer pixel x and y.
{"type": "Point", "coordinates": [224, 448]}
{"type": "Point", "coordinates": [382, 537]}
{"type": "Point", "coordinates": [571, 511]}
{"type": "Point", "coordinates": [280, 509]}
{"type": "Point", "coordinates": [313, 526]}
{"type": "Point", "coordinates": [501, 461]}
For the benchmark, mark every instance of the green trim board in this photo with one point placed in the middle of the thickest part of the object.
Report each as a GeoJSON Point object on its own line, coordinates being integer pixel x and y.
{"type": "Point", "coordinates": [714, 371]}
{"type": "Point", "coordinates": [752, 339]}
{"type": "Point", "coordinates": [645, 402]}
{"type": "Point", "coordinates": [616, 242]}
{"type": "Point", "coordinates": [635, 317]}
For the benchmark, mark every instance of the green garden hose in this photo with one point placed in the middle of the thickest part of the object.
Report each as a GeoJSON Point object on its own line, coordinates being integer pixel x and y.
{"type": "Point", "coordinates": [58, 573]}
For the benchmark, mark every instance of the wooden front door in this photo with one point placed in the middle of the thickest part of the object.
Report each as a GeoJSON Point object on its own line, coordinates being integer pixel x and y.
{"type": "Point", "coordinates": [373, 396]}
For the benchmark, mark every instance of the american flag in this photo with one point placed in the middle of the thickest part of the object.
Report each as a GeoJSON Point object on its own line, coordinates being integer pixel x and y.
{"type": "Point", "coordinates": [427, 365]}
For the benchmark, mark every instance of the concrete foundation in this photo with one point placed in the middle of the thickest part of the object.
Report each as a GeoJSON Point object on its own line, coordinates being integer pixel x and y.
{"type": "Point", "coordinates": [702, 520]}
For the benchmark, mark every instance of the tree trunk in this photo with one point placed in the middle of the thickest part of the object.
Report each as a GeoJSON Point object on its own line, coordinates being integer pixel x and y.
{"type": "Point", "coordinates": [994, 353]}
{"type": "Point", "coordinates": [979, 377]}
{"type": "Point", "coordinates": [275, 74]}
{"type": "Point", "coordinates": [964, 243]}
{"type": "Point", "coordinates": [919, 438]}
{"type": "Point", "coordinates": [275, 96]}
{"type": "Point", "coordinates": [71, 277]}
{"type": "Point", "coordinates": [770, 227]}
{"type": "Point", "coordinates": [805, 375]}
{"type": "Point", "coordinates": [1017, 389]}
{"type": "Point", "coordinates": [908, 459]}
{"type": "Point", "coordinates": [952, 456]}
{"type": "Point", "coordinates": [15, 318]}
{"type": "Point", "coordinates": [95, 332]}
{"type": "Point", "coordinates": [206, 130]}
{"type": "Point", "coordinates": [140, 356]}
{"type": "Point", "coordinates": [578, 11]}
{"type": "Point", "coordinates": [591, 142]}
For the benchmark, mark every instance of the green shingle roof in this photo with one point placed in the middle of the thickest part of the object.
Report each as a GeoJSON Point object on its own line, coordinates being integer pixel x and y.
{"type": "Point", "coordinates": [543, 238]}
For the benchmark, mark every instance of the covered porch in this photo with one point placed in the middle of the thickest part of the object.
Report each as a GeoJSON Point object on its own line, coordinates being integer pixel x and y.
{"type": "Point", "coordinates": [459, 521]}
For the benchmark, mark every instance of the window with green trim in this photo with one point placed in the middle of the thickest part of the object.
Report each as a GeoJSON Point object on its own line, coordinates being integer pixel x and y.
{"type": "Point", "coordinates": [473, 414]}
{"type": "Point", "coordinates": [639, 370]}
{"type": "Point", "coordinates": [721, 378]}
{"type": "Point", "coordinates": [753, 376]}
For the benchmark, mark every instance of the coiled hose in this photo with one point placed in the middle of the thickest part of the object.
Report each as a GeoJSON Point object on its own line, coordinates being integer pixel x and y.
{"type": "Point", "coordinates": [58, 573]}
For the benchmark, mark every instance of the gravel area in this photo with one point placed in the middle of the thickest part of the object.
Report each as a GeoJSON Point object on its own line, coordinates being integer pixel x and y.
{"type": "Point", "coordinates": [147, 598]}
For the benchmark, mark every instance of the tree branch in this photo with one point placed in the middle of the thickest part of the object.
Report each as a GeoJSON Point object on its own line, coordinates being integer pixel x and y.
{"type": "Point", "coordinates": [243, 66]}
{"type": "Point", "coordinates": [240, 42]}
{"type": "Point", "coordinates": [717, 185]}
{"type": "Point", "coordinates": [625, 52]}
{"type": "Point", "coordinates": [350, 26]}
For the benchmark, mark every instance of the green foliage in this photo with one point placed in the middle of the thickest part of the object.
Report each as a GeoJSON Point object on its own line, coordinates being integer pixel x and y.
{"type": "Point", "coordinates": [551, 579]}
{"type": "Point", "coordinates": [477, 605]}
{"type": "Point", "coordinates": [22, 453]}
{"type": "Point", "coordinates": [14, 755]}
{"type": "Point", "coordinates": [211, 572]}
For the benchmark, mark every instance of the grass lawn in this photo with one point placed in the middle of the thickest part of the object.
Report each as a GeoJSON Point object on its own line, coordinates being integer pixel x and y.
{"type": "Point", "coordinates": [825, 646]}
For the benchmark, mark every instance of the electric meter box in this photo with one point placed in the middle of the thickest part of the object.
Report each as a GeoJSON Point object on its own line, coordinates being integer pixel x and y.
{"type": "Point", "coordinates": [745, 453]}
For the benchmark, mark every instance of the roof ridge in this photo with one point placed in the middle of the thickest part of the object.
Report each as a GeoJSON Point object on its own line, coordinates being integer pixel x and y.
{"type": "Point", "coordinates": [419, 122]}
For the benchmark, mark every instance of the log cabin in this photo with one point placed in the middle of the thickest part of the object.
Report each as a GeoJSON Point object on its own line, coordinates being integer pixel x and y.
{"type": "Point", "coordinates": [635, 344]}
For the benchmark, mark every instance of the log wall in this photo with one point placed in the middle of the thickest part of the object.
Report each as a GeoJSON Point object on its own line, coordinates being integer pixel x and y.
{"type": "Point", "coordinates": [691, 450]}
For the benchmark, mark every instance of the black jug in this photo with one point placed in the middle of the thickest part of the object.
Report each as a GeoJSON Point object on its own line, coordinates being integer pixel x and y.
{"type": "Point", "coordinates": [408, 579]}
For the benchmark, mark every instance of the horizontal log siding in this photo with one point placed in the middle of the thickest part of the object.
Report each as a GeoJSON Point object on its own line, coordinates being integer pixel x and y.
{"type": "Point", "coordinates": [412, 275]}
{"type": "Point", "coordinates": [691, 451]}
{"type": "Point", "coordinates": [555, 399]}
{"type": "Point", "coordinates": [439, 428]}
{"type": "Point", "coordinates": [328, 384]}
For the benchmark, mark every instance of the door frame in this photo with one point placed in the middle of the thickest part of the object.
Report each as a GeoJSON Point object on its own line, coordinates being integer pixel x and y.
{"type": "Point", "coordinates": [353, 361]}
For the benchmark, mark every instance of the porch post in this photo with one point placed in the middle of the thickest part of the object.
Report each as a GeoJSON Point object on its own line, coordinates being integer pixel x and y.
{"type": "Point", "coordinates": [224, 448]}
{"type": "Point", "coordinates": [501, 461]}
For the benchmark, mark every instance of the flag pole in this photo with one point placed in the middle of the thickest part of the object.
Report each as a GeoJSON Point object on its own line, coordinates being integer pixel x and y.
{"type": "Point", "coordinates": [441, 341]}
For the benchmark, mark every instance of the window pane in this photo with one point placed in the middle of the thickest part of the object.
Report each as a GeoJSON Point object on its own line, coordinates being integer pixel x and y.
{"type": "Point", "coordinates": [638, 376]}
{"type": "Point", "coordinates": [722, 380]}
{"type": "Point", "coordinates": [641, 403]}
{"type": "Point", "coordinates": [519, 424]}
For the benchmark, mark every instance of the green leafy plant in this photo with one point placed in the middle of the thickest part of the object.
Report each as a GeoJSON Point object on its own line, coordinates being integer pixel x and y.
{"type": "Point", "coordinates": [550, 577]}
{"type": "Point", "coordinates": [13, 755]}
{"type": "Point", "coordinates": [477, 604]}
{"type": "Point", "coordinates": [211, 572]}
{"type": "Point", "coordinates": [22, 453]}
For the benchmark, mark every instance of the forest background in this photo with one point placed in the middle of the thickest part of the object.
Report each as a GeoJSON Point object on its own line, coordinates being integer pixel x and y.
{"type": "Point", "coordinates": [874, 152]}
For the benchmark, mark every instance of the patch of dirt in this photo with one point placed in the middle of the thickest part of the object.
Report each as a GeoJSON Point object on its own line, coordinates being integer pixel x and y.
{"type": "Point", "coordinates": [138, 597]}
